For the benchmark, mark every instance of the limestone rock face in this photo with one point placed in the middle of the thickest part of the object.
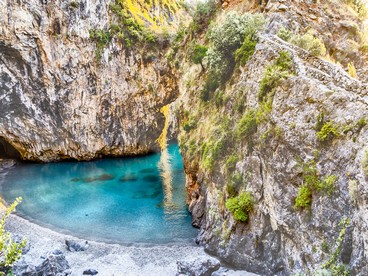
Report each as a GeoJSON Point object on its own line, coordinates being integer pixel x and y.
{"type": "Point", "coordinates": [58, 101]}
{"type": "Point", "coordinates": [279, 238]}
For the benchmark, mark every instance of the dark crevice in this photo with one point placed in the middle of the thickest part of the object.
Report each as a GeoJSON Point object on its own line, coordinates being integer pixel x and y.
{"type": "Point", "coordinates": [7, 151]}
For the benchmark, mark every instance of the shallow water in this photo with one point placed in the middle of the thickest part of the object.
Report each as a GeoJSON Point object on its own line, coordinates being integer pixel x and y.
{"type": "Point", "coordinates": [126, 200]}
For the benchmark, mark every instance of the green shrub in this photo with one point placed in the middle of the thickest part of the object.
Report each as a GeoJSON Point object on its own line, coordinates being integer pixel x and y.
{"type": "Point", "coordinates": [211, 152]}
{"type": "Point", "coordinates": [313, 45]}
{"type": "Point", "coordinates": [247, 125]}
{"type": "Point", "coordinates": [198, 54]}
{"type": "Point", "coordinates": [327, 184]}
{"type": "Point", "coordinates": [328, 131]}
{"type": "Point", "coordinates": [225, 39]}
{"type": "Point", "coordinates": [231, 162]}
{"type": "Point", "coordinates": [332, 264]}
{"type": "Point", "coordinates": [190, 124]}
{"type": "Point", "coordinates": [312, 182]}
{"type": "Point", "coordinates": [204, 11]}
{"type": "Point", "coordinates": [245, 52]}
{"type": "Point", "coordinates": [102, 39]}
{"type": "Point", "coordinates": [240, 206]}
{"type": "Point", "coordinates": [275, 73]}
{"type": "Point", "coordinates": [10, 250]}
{"type": "Point", "coordinates": [229, 36]}
{"type": "Point", "coordinates": [284, 34]}
{"type": "Point", "coordinates": [304, 197]}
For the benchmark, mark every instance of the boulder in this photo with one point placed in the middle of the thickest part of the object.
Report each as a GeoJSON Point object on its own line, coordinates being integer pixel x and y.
{"type": "Point", "coordinates": [74, 246]}
{"type": "Point", "coordinates": [90, 272]}
{"type": "Point", "coordinates": [204, 267]}
{"type": "Point", "coordinates": [54, 264]}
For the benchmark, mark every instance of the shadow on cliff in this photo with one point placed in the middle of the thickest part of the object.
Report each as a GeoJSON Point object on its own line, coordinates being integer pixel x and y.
{"type": "Point", "coordinates": [7, 151]}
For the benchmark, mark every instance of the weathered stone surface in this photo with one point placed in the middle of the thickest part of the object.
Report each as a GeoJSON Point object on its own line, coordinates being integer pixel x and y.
{"type": "Point", "coordinates": [74, 246]}
{"type": "Point", "coordinates": [73, 105]}
{"type": "Point", "coordinates": [198, 267]}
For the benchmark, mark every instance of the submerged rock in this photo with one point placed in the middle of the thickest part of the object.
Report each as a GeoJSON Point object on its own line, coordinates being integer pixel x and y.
{"type": "Point", "coordinates": [198, 267]}
{"type": "Point", "coordinates": [151, 178]}
{"type": "Point", "coordinates": [147, 170]}
{"type": "Point", "coordinates": [74, 246]}
{"type": "Point", "coordinates": [90, 272]}
{"type": "Point", "coordinates": [128, 177]}
{"type": "Point", "coordinates": [105, 177]}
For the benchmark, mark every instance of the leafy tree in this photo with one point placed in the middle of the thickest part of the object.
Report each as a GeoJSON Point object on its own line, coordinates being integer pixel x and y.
{"type": "Point", "coordinates": [198, 54]}
{"type": "Point", "coordinates": [10, 251]}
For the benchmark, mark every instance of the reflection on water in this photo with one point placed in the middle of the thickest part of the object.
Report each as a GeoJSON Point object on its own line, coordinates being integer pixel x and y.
{"type": "Point", "coordinates": [165, 168]}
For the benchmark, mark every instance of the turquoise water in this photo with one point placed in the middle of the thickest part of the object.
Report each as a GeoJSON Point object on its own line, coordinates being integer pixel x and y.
{"type": "Point", "coordinates": [126, 200]}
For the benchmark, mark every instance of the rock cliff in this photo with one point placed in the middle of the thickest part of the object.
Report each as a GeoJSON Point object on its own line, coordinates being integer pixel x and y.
{"type": "Point", "coordinates": [58, 101]}
{"type": "Point", "coordinates": [294, 140]}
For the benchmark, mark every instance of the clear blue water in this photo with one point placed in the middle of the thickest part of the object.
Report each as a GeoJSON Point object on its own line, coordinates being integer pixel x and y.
{"type": "Point", "coordinates": [126, 200]}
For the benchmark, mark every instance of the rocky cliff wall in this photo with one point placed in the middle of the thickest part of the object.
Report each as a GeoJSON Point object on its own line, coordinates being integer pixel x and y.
{"type": "Point", "coordinates": [234, 142]}
{"type": "Point", "coordinates": [58, 101]}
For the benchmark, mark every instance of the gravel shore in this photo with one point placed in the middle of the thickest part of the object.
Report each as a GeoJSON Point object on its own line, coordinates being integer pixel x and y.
{"type": "Point", "coordinates": [107, 259]}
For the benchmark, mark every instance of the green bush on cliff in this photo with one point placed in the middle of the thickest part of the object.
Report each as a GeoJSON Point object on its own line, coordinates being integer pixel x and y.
{"type": "Point", "coordinates": [231, 162]}
{"type": "Point", "coordinates": [240, 206]}
{"type": "Point", "coordinates": [203, 13]}
{"type": "Point", "coordinates": [328, 131]}
{"type": "Point", "coordinates": [247, 125]}
{"type": "Point", "coordinates": [312, 44]}
{"type": "Point", "coordinates": [102, 39]}
{"type": "Point", "coordinates": [304, 197]}
{"type": "Point", "coordinates": [211, 152]}
{"type": "Point", "coordinates": [245, 52]}
{"type": "Point", "coordinates": [275, 73]}
{"type": "Point", "coordinates": [225, 39]}
{"type": "Point", "coordinates": [313, 183]}
{"type": "Point", "coordinates": [10, 250]}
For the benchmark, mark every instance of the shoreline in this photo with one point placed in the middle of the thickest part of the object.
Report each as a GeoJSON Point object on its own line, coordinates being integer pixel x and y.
{"type": "Point", "coordinates": [106, 258]}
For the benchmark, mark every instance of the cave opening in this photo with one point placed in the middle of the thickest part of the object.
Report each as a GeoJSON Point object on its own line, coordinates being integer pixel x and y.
{"type": "Point", "coordinates": [7, 151]}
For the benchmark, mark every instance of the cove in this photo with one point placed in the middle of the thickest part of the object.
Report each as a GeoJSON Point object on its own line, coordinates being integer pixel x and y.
{"type": "Point", "coordinates": [124, 200]}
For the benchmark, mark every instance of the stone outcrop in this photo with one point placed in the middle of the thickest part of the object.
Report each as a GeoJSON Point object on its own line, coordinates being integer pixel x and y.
{"type": "Point", "coordinates": [59, 102]}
